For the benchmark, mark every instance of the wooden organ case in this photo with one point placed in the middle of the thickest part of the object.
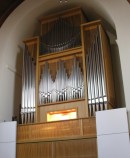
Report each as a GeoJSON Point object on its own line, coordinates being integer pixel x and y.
{"type": "Point", "coordinates": [66, 70]}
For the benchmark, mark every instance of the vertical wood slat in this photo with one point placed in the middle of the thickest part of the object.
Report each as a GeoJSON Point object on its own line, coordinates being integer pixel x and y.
{"type": "Point", "coordinates": [53, 150]}
{"type": "Point", "coordinates": [81, 127]}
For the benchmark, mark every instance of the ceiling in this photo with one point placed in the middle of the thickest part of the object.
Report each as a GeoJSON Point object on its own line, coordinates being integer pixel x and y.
{"type": "Point", "coordinates": [6, 7]}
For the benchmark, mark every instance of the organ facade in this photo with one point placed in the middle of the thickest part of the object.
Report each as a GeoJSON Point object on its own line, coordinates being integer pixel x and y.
{"type": "Point", "coordinates": [67, 75]}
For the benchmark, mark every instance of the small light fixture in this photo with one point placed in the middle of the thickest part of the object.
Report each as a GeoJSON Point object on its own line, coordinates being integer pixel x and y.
{"type": "Point", "coordinates": [61, 1]}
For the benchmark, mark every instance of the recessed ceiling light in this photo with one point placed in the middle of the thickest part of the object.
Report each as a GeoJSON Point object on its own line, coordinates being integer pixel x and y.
{"type": "Point", "coordinates": [61, 1]}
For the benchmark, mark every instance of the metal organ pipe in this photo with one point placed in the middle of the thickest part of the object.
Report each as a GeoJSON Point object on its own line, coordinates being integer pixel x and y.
{"type": "Point", "coordinates": [64, 87]}
{"type": "Point", "coordinates": [60, 35]}
{"type": "Point", "coordinates": [103, 75]}
{"type": "Point", "coordinates": [97, 95]}
{"type": "Point", "coordinates": [28, 88]}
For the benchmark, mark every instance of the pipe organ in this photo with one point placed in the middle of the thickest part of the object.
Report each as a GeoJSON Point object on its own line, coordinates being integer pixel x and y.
{"type": "Point", "coordinates": [67, 66]}
{"type": "Point", "coordinates": [67, 77]}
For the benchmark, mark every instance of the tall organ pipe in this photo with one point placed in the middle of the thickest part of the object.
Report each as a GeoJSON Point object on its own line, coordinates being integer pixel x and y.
{"type": "Point", "coordinates": [28, 88]}
{"type": "Point", "coordinates": [104, 92]}
{"type": "Point", "coordinates": [64, 87]}
{"type": "Point", "coordinates": [97, 95]}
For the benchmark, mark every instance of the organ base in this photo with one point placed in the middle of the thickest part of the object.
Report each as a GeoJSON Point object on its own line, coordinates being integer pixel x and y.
{"type": "Point", "coordinates": [71, 138]}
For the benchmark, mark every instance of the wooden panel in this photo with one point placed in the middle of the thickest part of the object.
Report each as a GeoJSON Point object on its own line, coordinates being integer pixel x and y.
{"type": "Point", "coordinates": [50, 130]}
{"type": "Point", "coordinates": [63, 54]}
{"type": "Point", "coordinates": [108, 68]}
{"type": "Point", "coordinates": [90, 128]}
{"type": "Point", "coordinates": [34, 150]}
{"type": "Point", "coordinates": [23, 132]}
{"type": "Point", "coordinates": [91, 25]}
{"type": "Point", "coordinates": [56, 130]}
{"type": "Point", "coordinates": [85, 148]}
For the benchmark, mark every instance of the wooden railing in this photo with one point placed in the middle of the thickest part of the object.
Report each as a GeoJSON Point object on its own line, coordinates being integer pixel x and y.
{"type": "Point", "coordinates": [69, 129]}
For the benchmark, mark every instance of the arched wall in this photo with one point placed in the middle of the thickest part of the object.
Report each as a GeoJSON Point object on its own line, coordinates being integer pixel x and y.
{"type": "Point", "coordinates": [119, 11]}
{"type": "Point", "coordinates": [23, 23]}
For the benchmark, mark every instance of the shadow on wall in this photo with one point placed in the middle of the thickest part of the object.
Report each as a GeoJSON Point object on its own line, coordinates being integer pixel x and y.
{"type": "Point", "coordinates": [117, 73]}
{"type": "Point", "coordinates": [18, 85]}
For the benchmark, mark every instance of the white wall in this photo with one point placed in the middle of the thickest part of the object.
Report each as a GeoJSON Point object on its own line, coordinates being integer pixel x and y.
{"type": "Point", "coordinates": [119, 10]}
{"type": "Point", "coordinates": [23, 23]}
